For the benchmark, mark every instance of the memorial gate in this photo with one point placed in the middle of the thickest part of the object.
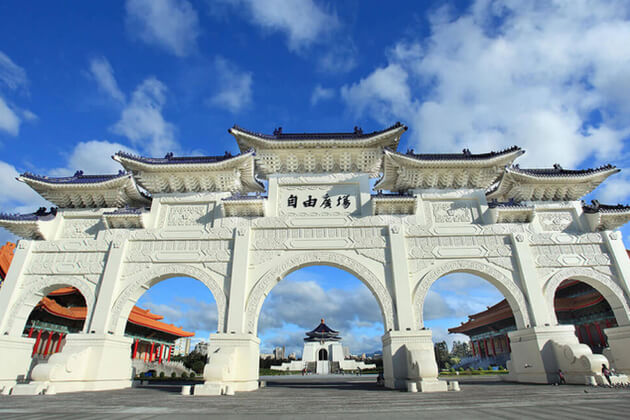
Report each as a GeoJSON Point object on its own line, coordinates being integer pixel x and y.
{"type": "Point", "coordinates": [211, 218]}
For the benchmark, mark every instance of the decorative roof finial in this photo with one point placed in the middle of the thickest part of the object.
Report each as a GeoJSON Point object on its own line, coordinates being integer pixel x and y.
{"type": "Point", "coordinates": [277, 131]}
{"type": "Point", "coordinates": [169, 155]}
{"type": "Point", "coordinates": [466, 152]}
{"type": "Point", "coordinates": [78, 173]}
{"type": "Point", "coordinates": [358, 130]}
{"type": "Point", "coordinates": [557, 167]}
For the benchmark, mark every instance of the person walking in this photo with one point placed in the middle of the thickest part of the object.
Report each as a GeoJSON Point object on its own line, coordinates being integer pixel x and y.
{"type": "Point", "coordinates": [606, 373]}
{"type": "Point", "coordinates": [562, 380]}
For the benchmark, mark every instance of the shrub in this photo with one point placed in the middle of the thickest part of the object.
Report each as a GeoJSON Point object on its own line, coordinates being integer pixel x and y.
{"type": "Point", "coordinates": [173, 375]}
{"type": "Point", "coordinates": [162, 374]}
{"type": "Point", "coordinates": [184, 375]}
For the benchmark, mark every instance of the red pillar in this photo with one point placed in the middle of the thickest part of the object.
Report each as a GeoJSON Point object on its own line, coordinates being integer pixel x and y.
{"type": "Point", "coordinates": [170, 350]}
{"type": "Point", "coordinates": [602, 339]}
{"type": "Point", "coordinates": [160, 353]}
{"type": "Point", "coordinates": [35, 347]}
{"type": "Point", "coordinates": [579, 334]}
{"type": "Point", "coordinates": [472, 347]}
{"type": "Point", "coordinates": [135, 349]}
{"type": "Point", "coordinates": [30, 332]}
{"type": "Point", "coordinates": [59, 342]}
{"type": "Point", "coordinates": [507, 341]}
{"type": "Point", "coordinates": [145, 353]}
{"type": "Point", "coordinates": [152, 354]}
{"type": "Point", "coordinates": [588, 333]}
{"type": "Point", "coordinates": [50, 334]}
{"type": "Point", "coordinates": [494, 350]}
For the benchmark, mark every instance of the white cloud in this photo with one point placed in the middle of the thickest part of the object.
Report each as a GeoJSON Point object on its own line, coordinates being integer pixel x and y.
{"type": "Point", "coordinates": [321, 94]}
{"type": "Point", "coordinates": [616, 189]}
{"type": "Point", "coordinates": [303, 22]}
{"type": "Point", "coordinates": [12, 75]}
{"type": "Point", "coordinates": [17, 197]}
{"type": "Point", "coordinates": [169, 24]}
{"type": "Point", "coordinates": [9, 121]}
{"type": "Point", "coordinates": [104, 75]}
{"type": "Point", "coordinates": [142, 122]}
{"type": "Point", "coordinates": [92, 157]}
{"type": "Point", "coordinates": [234, 86]}
{"type": "Point", "coordinates": [188, 313]}
{"type": "Point", "coordinates": [340, 57]}
{"type": "Point", "coordinates": [504, 73]}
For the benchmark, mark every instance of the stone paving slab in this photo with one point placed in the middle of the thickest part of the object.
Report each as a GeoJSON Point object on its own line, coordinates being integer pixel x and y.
{"type": "Point", "coordinates": [316, 397]}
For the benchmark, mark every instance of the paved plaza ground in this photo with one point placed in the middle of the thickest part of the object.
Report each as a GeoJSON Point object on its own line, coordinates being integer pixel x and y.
{"type": "Point", "coordinates": [317, 397]}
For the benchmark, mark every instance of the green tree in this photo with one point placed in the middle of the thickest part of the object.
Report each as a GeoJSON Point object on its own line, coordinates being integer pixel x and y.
{"type": "Point", "coordinates": [442, 355]}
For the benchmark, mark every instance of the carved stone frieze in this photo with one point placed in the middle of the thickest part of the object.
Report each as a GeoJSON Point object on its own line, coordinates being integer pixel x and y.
{"type": "Point", "coordinates": [263, 286]}
{"type": "Point", "coordinates": [67, 263]}
{"type": "Point", "coordinates": [81, 228]}
{"type": "Point", "coordinates": [570, 255]}
{"type": "Point", "coordinates": [555, 221]}
{"type": "Point", "coordinates": [186, 215]}
{"type": "Point", "coordinates": [334, 237]}
{"type": "Point", "coordinates": [461, 246]}
{"type": "Point", "coordinates": [452, 212]}
{"type": "Point", "coordinates": [181, 250]}
{"type": "Point", "coordinates": [376, 254]}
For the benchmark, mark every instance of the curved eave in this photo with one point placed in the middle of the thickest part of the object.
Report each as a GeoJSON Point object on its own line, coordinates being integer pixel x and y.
{"type": "Point", "coordinates": [244, 163]}
{"type": "Point", "coordinates": [132, 163]}
{"type": "Point", "coordinates": [575, 185]}
{"type": "Point", "coordinates": [26, 229]}
{"type": "Point", "coordinates": [114, 192]}
{"type": "Point", "coordinates": [247, 140]}
{"type": "Point", "coordinates": [393, 161]}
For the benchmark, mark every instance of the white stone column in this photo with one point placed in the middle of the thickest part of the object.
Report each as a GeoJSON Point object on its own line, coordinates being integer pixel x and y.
{"type": "Point", "coordinates": [11, 286]}
{"type": "Point", "coordinates": [619, 348]}
{"type": "Point", "coordinates": [107, 289]}
{"type": "Point", "coordinates": [530, 283]}
{"type": "Point", "coordinates": [15, 350]}
{"type": "Point", "coordinates": [409, 358]}
{"type": "Point", "coordinates": [239, 284]}
{"type": "Point", "coordinates": [619, 259]}
{"type": "Point", "coordinates": [400, 279]}
{"type": "Point", "coordinates": [232, 364]}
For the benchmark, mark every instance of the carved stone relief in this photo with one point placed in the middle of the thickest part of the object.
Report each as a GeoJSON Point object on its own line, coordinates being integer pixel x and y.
{"type": "Point", "coordinates": [555, 221]}
{"type": "Point", "coordinates": [452, 212]}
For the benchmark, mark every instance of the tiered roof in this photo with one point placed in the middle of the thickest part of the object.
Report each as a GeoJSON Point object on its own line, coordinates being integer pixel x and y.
{"type": "Point", "coordinates": [444, 171]}
{"type": "Point", "coordinates": [172, 174]}
{"type": "Point", "coordinates": [88, 191]}
{"type": "Point", "coordinates": [606, 217]}
{"type": "Point", "coordinates": [554, 184]}
{"type": "Point", "coordinates": [318, 152]}
{"type": "Point", "coordinates": [322, 333]}
{"type": "Point", "coordinates": [27, 225]}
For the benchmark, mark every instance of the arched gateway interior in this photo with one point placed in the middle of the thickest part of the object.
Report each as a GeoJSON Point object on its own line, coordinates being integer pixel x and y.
{"type": "Point", "coordinates": [213, 219]}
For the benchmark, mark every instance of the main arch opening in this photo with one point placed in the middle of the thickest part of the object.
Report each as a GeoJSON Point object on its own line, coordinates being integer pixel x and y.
{"type": "Point", "coordinates": [581, 305]}
{"type": "Point", "coordinates": [320, 320]}
{"type": "Point", "coordinates": [170, 326]}
{"type": "Point", "coordinates": [61, 312]}
{"type": "Point", "coordinates": [470, 321]}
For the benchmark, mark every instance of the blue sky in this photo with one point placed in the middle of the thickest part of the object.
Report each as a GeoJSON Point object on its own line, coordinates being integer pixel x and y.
{"type": "Point", "coordinates": [82, 80]}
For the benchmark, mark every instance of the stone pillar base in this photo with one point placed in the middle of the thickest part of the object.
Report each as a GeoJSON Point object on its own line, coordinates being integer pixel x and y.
{"type": "Point", "coordinates": [408, 356]}
{"type": "Point", "coordinates": [619, 345]}
{"type": "Point", "coordinates": [538, 353]}
{"type": "Point", "coordinates": [232, 365]}
{"type": "Point", "coordinates": [88, 362]}
{"type": "Point", "coordinates": [16, 361]}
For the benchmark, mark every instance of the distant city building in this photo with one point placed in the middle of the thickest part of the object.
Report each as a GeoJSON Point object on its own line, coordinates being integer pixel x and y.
{"type": "Point", "coordinates": [278, 353]}
{"type": "Point", "coordinates": [265, 356]}
{"type": "Point", "coordinates": [323, 354]}
{"type": "Point", "coordinates": [292, 356]}
{"type": "Point", "coordinates": [182, 346]}
{"type": "Point", "coordinates": [346, 352]}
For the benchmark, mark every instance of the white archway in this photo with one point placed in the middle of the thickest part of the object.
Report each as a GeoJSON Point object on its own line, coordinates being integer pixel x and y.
{"type": "Point", "coordinates": [604, 284]}
{"type": "Point", "coordinates": [39, 288]}
{"type": "Point", "coordinates": [142, 281]}
{"type": "Point", "coordinates": [509, 289]}
{"type": "Point", "coordinates": [272, 277]}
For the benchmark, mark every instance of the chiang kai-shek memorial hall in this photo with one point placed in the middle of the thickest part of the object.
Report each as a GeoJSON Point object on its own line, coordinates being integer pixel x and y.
{"type": "Point", "coordinates": [240, 224]}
